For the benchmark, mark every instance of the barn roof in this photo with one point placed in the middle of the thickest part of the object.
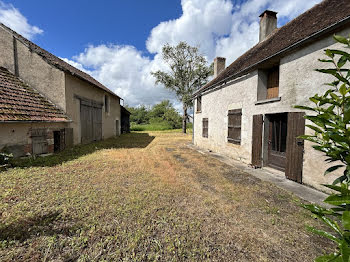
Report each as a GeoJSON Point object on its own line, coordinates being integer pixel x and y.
{"type": "Point", "coordinates": [316, 22]}
{"type": "Point", "coordinates": [20, 102]}
{"type": "Point", "coordinates": [57, 62]}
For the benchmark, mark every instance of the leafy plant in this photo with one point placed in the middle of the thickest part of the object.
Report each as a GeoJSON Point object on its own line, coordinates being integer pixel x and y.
{"type": "Point", "coordinates": [188, 72]}
{"type": "Point", "coordinates": [330, 121]}
{"type": "Point", "coordinates": [5, 158]}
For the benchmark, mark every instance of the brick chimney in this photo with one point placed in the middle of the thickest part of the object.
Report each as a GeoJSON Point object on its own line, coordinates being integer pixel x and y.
{"type": "Point", "coordinates": [219, 65]}
{"type": "Point", "coordinates": [268, 23]}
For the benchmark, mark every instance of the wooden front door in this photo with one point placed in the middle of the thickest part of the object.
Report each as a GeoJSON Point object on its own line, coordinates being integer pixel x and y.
{"type": "Point", "coordinates": [277, 142]}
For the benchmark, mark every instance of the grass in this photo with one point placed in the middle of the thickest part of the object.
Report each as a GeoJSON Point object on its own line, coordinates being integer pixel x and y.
{"type": "Point", "coordinates": [147, 197]}
{"type": "Point", "coordinates": [161, 126]}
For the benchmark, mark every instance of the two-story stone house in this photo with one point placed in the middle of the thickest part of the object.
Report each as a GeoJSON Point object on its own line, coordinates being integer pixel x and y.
{"type": "Point", "coordinates": [246, 111]}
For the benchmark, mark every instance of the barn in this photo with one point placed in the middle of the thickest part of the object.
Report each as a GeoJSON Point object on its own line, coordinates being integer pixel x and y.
{"type": "Point", "coordinates": [47, 104]}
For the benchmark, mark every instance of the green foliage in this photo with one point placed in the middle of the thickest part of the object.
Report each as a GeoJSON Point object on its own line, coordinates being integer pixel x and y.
{"type": "Point", "coordinates": [331, 125]}
{"type": "Point", "coordinates": [188, 72]}
{"type": "Point", "coordinates": [139, 114]}
{"type": "Point", "coordinates": [162, 116]}
{"type": "Point", "coordinates": [5, 158]}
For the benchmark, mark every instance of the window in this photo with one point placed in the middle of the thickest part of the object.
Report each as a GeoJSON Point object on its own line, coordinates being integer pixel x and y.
{"type": "Point", "coordinates": [106, 103]}
{"type": "Point", "coordinates": [268, 85]}
{"type": "Point", "coordinates": [205, 127]}
{"type": "Point", "coordinates": [272, 82]}
{"type": "Point", "coordinates": [234, 126]}
{"type": "Point", "coordinates": [199, 104]}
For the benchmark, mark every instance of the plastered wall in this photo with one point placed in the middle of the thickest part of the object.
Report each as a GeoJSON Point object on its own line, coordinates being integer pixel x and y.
{"type": "Point", "coordinates": [75, 86]}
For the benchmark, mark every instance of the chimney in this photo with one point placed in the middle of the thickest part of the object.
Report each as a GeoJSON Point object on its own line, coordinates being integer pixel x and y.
{"type": "Point", "coordinates": [268, 23]}
{"type": "Point", "coordinates": [219, 65]}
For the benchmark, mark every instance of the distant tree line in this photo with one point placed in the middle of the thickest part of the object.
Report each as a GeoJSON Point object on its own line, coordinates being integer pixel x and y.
{"type": "Point", "coordinates": [163, 113]}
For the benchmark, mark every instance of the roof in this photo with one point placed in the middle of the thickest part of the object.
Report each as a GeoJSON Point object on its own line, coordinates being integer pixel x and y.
{"type": "Point", "coordinates": [313, 23]}
{"type": "Point", "coordinates": [124, 110]}
{"type": "Point", "coordinates": [59, 63]}
{"type": "Point", "coordinates": [19, 102]}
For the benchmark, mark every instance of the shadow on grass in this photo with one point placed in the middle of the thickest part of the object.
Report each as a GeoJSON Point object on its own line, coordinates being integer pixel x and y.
{"type": "Point", "coordinates": [48, 225]}
{"type": "Point", "coordinates": [131, 140]}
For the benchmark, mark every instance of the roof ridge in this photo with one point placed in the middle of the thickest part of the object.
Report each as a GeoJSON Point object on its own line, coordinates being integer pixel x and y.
{"type": "Point", "coordinates": [319, 20]}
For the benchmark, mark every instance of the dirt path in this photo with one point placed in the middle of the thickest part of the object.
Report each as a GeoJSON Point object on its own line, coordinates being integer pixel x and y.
{"type": "Point", "coordinates": [148, 198]}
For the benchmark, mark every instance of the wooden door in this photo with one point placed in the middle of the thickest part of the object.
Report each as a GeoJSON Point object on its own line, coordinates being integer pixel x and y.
{"type": "Point", "coordinates": [277, 142]}
{"type": "Point", "coordinates": [97, 123]}
{"type": "Point", "coordinates": [91, 121]}
{"type": "Point", "coordinates": [295, 146]}
{"type": "Point", "coordinates": [257, 140]}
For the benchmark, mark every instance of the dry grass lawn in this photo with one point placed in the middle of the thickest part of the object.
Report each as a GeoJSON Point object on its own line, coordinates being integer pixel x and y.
{"type": "Point", "coordinates": [147, 197]}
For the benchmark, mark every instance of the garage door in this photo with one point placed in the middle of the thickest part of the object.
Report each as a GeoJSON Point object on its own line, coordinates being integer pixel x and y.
{"type": "Point", "coordinates": [91, 121]}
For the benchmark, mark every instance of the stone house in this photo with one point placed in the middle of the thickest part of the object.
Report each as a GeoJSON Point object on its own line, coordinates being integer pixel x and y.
{"type": "Point", "coordinates": [46, 104]}
{"type": "Point", "coordinates": [246, 111]}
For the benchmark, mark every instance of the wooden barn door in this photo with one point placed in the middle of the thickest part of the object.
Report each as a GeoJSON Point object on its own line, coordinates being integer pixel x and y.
{"type": "Point", "coordinates": [295, 146]}
{"type": "Point", "coordinates": [91, 121]}
{"type": "Point", "coordinates": [257, 140]}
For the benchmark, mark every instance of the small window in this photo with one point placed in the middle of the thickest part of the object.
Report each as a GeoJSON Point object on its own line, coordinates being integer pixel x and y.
{"type": "Point", "coordinates": [106, 103]}
{"type": "Point", "coordinates": [234, 126]}
{"type": "Point", "coordinates": [272, 82]}
{"type": "Point", "coordinates": [199, 104]}
{"type": "Point", "coordinates": [205, 127]}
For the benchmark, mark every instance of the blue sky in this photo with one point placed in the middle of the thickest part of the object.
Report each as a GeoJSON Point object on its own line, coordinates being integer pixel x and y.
{"type": "Point", "coordinates": [119, 42]}
{"type": "Point", "coordinates": [68, 30]}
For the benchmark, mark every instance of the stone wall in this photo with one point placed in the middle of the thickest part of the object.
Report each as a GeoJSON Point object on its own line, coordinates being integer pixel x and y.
{"type": "Point", "coordinates": [17, 138]}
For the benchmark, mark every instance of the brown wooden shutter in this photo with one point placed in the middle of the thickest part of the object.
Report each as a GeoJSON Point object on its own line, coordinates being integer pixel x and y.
{"type": "Point", "coordinates": [257, 140]}
{"type": "Point", "coordinates": [205, 127]}
{"type": "Point", "coordinates": [273, 83]}
{"type": "Point", "coordinates": [234, 126]}
{"type": "Point", "coordinates": [199, 104]}
{"type": "Point", "coordinates": [295, 146]}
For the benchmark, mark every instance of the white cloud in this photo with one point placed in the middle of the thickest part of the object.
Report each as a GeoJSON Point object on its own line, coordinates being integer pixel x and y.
{"type": "Point", "coordinates": [126, 71]}
{"type": "Point", "coordinates": [12, 17]}
{"type": "Point", "coordinates": [219, 27]}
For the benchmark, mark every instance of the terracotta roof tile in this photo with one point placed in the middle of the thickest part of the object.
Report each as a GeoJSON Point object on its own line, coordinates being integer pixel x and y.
{"type": "Point", "coordinates": [19, 102]}
{"type": "Point", "coordinates": [321, 16]}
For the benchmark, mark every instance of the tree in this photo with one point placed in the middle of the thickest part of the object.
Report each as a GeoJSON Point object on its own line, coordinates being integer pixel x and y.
{"type": "Point", "coordinates": [188, 72]}
{"type": "Point", "coordinates": [330, 121]}
{"type": "Point", "coordinates": [139, 115]}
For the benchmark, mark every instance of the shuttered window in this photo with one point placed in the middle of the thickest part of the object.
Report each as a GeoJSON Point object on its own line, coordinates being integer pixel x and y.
{"type": "Point", "coordinates": [234, 126]}
{"type": "Point", "coordinates": [273, 82]}
{"type": "Point", "coordinates": [205, 127]}
{"type": "Point", "coordinates": [199, 104]}
{"type": "Point", "coordinates": [106, 103]}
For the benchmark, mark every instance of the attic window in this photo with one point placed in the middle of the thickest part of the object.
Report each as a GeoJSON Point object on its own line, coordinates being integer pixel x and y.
{"type": "Point", "coordinates": [273, 82]}
{"type": "Point", "coordinates": [199, 104]}
{"type": "Point", "coordinates": [268, 84]}
{"type": "Point", "coordinates": [106, 103]}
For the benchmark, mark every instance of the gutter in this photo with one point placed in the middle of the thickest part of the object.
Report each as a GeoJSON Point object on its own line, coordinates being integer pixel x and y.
{"type": "Point", "coordinates": [289, 48]}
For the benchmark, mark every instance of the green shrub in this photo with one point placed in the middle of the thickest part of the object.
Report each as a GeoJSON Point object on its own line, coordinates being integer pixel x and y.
{"type": "Point", "coordinates": [330, 120]}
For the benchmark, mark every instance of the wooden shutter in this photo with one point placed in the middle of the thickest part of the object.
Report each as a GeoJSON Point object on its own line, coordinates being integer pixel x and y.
{"type": "Point", "coordinates": [295, 146]}
{"type": "Point", "coordinates": [273, 83]}
{"type": "Point", "coordinates": [234, 126]}
{"type": "Point", "coordinates": [205, 127]}
{"type": "Point", "coordinates": [257, 140]}
{"type": "Point", "coordinates": [199, 104]}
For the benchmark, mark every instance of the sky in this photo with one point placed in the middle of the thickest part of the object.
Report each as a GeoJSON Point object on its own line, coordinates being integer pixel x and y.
{"type": "Point", "coordinates": [119, 42]}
